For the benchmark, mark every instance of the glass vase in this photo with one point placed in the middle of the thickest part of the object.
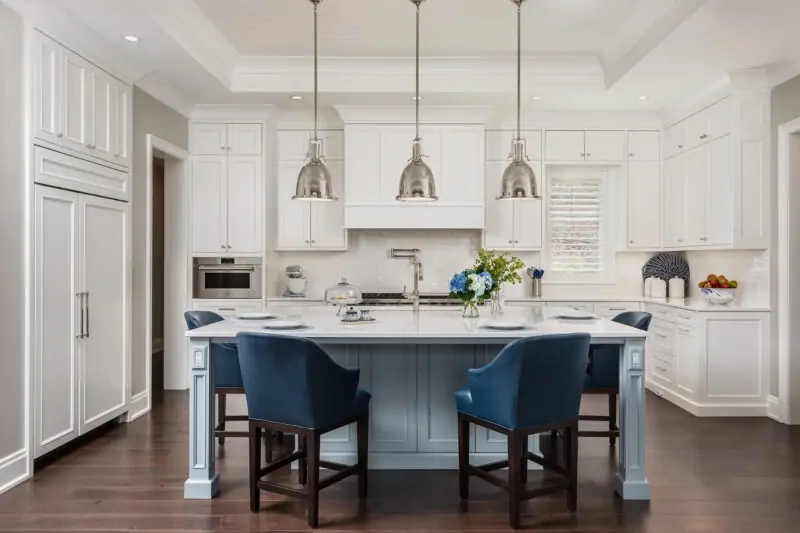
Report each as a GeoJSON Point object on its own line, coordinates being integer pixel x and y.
{"type": "Point", "coordinates": [470, 310]}
{"type": "Point", "coordinates": [497, 302]}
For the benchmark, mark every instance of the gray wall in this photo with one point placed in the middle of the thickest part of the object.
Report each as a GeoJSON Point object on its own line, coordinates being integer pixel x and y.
{"type": "Point", "coordinates": [149, 116]}
{"type": "Point", "coordinates": [12, 227]}
{"type": "Point", "coordinates": [785, 107]}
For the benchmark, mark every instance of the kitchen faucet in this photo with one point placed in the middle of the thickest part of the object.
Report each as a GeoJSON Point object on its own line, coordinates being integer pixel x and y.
{"type": "Point", "coordinates": [411, 253]}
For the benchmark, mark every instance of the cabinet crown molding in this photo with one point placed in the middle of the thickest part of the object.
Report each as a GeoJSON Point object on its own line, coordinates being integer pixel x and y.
{"type": "Point", "coordinates": [406, 114]}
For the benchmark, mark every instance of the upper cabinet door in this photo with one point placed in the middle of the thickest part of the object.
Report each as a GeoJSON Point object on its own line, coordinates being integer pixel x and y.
{"type": "Point", "coordinates": [244, 139]}
{"type": "Point", "coordinates": [565, 146]}
{"type": "Point", "coordinates": [499, 232]}
{"type": "Point", "coordinates": [363, 163]}
{"type": "Point", "coordinates": [209, 204]}
{"type": "Point", "coordinates": [463, 164]}
{"type": "Point", "coordinates": [675, 201]}
{"type": "Point", "coordinates": [208, 139]}
{"type": "Point", "coordinates": [124, 124]}
{"type": "Point", "coordinates": [47, 89]}
{"type": "Point", "coordinates": [720, 224]}
{"type": "Point", "coordinates": [527, 224]}
{"type": "Point", "coordinates": [78, 99]}
{"type": "Point", "coordinates": [720, 118]}
{"type": "Point", "coordinates": [327, 218]}
{"type": "Point", "coordinates": [675, 139]}
{"type": "Point", "coordinates": [605, 145]}
{"type": "Point", "coordinates": [245, 204]}
{"type": "Point", "coordinates": [293, 215]}
{"type": "Point", "coordinates": [104, 115]}
{"type": "Point", "coordinates": [644, 146]}
{"type": "Point", "coordinates": [698, 194]}
{"type": "Point", "coordinates": [644, 204]}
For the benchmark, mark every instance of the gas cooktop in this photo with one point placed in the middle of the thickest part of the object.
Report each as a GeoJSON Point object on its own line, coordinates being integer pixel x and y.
{"type": "Point", "coordinates": [397, 298]}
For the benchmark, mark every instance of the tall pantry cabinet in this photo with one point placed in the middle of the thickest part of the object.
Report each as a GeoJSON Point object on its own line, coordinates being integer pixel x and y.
{"type": "Point", "coordinates": [81, 139]}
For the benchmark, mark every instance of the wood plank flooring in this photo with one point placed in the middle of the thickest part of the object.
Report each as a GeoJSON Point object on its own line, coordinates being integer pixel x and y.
{"type": "Point", "coordinates": [707, 476]}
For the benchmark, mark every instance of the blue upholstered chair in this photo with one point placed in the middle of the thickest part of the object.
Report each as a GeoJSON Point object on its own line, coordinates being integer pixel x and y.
{"type": "Point", "coordinates": [292, 385]}
{"type": "Point", "coordinates": [533, 386]}
{"type": "Point", "coordinates": [227, 374]}
{"type": "Point", "coordinates": [602, 375]}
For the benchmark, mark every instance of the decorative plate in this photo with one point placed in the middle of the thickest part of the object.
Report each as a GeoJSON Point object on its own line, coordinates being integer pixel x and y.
{"type": "Point", "coordinates": [258, 315]}
{"type": "Point", "coordinates": [506, 324]}
{"type": "Point", "coordinates": [285, 325]}
{"type": "Point", "coordinates": [667, 265]}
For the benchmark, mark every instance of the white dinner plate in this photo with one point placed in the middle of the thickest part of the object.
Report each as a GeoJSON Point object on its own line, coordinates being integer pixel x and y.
{"type": "Point", "coordinates": [506, 324]}
{"type": "Point", "coordinates": [574, 314]}
{"type": "Point", "coordinates": [257, 315]}
{"type": "Point", "coordinates": [285, 324]}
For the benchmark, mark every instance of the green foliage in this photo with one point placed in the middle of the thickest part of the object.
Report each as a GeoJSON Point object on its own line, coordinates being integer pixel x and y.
{"type": "Point", "coordinates": [503, 267]}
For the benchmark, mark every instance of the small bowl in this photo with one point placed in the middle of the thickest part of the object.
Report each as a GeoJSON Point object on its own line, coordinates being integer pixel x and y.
{"type": "Point", "coordinates": [719, 296]}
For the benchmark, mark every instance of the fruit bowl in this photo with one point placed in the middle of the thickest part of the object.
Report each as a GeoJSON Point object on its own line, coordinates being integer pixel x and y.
{"type": "Point", "coordinates": [716, 296]}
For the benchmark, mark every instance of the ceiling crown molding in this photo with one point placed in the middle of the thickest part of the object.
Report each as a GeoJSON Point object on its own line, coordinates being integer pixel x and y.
{"type": "Point", "coordinates": [406, 114]}
{"type": "Point", "coordinates": [166, 94]}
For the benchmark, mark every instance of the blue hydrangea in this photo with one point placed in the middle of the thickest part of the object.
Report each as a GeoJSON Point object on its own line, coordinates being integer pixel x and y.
{"type": "Point", "coordinates": [458, 283]}
{"type": "Point", "coordinates": [488, 281]}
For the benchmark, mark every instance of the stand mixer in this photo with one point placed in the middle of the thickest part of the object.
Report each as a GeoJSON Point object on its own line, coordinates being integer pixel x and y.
{"type": "Point", "coordinates": [296, 282]}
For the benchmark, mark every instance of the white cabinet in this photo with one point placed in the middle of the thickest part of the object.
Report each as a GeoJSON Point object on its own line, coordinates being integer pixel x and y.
{"type": "Point", "coordinates": [686, 360]}
{"type": "Point", "coordinates": [674, 212]}
{"type": "Point", "coordinates": [644, 204]}
{"type": "Point", "coordinates": [228, 308]}
{"type": "Point", "coordinates": [82, 288]}
{"type": "Point", "coordinates": [584, 146]}
{"type": "Point", "coordinates": [375, 156]}
{"type": "Point", "coordinates": [227, 199]}
{"type": "Point", "coordinates": [304, 225]}
{"type": "Point", "coordinates": [644, 146]}
{"type": "Point", "coordinates": [78, 106]}
{"type": "Point", "coordinates": [225, 139]}
{"type": "Point", "coordinates": [511, 224]}
{"type": "Point", "coordinates": [67, 172]}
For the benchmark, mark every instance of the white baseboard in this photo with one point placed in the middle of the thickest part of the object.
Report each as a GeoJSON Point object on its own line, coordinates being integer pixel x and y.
{"type": "Point", "coordinates": [705, 409]}
{"type": "Point", "coordinates": [776, 410]}
{"type": "Point", "coordinates": [140, 405]}
{"type": "Point", "coordinates": [13, 470]}
{"type": "Point", "coordinates": [158, 345]}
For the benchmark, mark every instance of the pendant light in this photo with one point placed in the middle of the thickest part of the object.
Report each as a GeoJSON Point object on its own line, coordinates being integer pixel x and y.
{"type": "Point", "coordinates": [314, 181]}
{"type": "Point", "coordinates": [519, 180]}
{"type": "Point", "coordinates": [417, 183]}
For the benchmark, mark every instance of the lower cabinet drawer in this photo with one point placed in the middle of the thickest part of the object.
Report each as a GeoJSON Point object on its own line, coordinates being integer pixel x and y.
{"type": "Point", "coordinates": [228, 310]}
{"type": "Point", "coordinates": [611, 309]}
{"type": "Point", "coordinates": [662, 370]}
{"type": "Point", "coordinates": [662, 337]}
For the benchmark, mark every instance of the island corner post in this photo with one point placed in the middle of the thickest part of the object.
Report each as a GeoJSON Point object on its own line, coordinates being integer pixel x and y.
{"type": "Point", "coordinates": [392, 366]}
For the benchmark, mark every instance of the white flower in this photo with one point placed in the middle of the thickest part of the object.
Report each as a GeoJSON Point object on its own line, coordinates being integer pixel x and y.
{"type": "Point", "coordinates": [476, 284]}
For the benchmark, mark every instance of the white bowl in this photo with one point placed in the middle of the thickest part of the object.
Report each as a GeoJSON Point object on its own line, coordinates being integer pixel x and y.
{"type": "Point", "coordinates": [719, 296]}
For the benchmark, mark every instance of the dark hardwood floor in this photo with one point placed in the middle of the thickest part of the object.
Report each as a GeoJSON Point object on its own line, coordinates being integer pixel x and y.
{"type": "Point", "coordinates": [707, 475]}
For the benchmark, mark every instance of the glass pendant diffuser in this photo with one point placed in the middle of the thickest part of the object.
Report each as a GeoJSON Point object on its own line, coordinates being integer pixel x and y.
{"type": "Point", "coordinates": [314, 181]}
{"type": "Point", "coordinates": [417, 183]}
{"type": "Point", "coordinates": [519, 180]}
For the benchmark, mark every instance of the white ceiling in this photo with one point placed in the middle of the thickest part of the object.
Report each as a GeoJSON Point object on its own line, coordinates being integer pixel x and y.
{"type": "Point", "coordinates": [579, 54]}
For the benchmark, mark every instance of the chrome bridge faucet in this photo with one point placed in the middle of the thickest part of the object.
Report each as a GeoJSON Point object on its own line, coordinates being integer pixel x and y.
{"type": "Point", "coordinates": [411, 253]}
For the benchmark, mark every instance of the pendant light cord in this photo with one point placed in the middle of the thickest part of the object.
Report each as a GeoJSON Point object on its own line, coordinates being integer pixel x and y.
{"type": "Point", "coordinates": [316, 86]}
{"type": "Point", "coordinates": [417, 71]}
{"type": "Point", "coordinates": [519, 69]}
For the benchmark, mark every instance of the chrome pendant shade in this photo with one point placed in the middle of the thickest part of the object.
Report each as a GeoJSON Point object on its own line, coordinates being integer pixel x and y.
{"type": "Point", "coordinates": [314, 180]}
{"type": "Point", "coordinates": [519, 180]}
{"type": "Point", "coordinates": [417, 183]}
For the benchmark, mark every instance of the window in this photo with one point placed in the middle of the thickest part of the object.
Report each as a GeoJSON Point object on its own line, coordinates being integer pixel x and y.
{"type": "Point", "coordinates": [578, 224]}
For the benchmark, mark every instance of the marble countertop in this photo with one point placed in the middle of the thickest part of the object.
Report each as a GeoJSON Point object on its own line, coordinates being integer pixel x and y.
{"type": "Point", "coordinates": [690, 304]}
{"type": "Point", "coordinates": [442, 326]}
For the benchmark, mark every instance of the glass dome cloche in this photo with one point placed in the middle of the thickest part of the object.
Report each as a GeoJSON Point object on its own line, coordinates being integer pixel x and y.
{"type": "Point", "coordinates": [343, 293]}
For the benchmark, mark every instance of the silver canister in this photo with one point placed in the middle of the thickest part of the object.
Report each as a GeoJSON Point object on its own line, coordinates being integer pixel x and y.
{"type": "Point", "coordinates": [536, 288]}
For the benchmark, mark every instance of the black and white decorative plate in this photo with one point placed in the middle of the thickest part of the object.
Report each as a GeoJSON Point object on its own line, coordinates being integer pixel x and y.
{"type": "Point", "coordinates": [667, 265]}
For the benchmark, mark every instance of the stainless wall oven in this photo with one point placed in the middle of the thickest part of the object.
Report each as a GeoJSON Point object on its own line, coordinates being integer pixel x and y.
{"type": "Point", "coordinates": [224, 278]}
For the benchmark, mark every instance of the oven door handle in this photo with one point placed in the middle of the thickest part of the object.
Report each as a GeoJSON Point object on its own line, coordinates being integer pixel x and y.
{"type": "Point", "coordinates": [225, 270]}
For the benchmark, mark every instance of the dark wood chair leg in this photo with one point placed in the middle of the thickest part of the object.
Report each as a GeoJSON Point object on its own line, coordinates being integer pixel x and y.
{"type": "Point", "coordinates": [221, 405]}
{"type": "Point", "coordinates": [571, 445]}
{"type": "Point", "coordinates": [514, 481]}
{"type": "Point", "coordinates": [362, 437]}
{"type": "Point", "coordinates": [312, 452]}
{"type": "Point", "coordinates": [267, 440]}
{"type": "Point", "coordinates": [302, 463]}
{"type": "Point", "coordinates": [612, 419]}
{"type": "Point", "coordinates": [523, 473]}
{"type": "Point", "coordinates": [280, 438]}
{"type": "Point", "coordinates": [255, 466]}
{"type": "Point", "coordinates": [463, 458]}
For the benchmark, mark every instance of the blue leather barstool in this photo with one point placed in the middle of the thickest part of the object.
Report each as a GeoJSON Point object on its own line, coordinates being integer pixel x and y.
{"type": "Point", "coordinates": [292, 385]}
{"type": "Point", "coordinates": [602, 376]}
{"type": "Point", "coordinates": [533, 386]}
{"type": "Point", "coordinates": [227, 374]}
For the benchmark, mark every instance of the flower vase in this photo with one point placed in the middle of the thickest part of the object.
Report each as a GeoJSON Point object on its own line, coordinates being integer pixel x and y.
{"type": "Point", "coordinates": [470, 309]}
{"type": "Point", "coordinates": [497, 304]}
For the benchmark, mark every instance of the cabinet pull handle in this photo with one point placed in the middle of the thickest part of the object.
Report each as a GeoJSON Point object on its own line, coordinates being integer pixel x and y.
{"type": "Point", "coordinates": [80, 303]}
{"type": "Point", "coordinates": [583, 155]}
{"type": "Point", "coordinates": [661, 335]}
{"type": "Point", "coordinates": [704, 136]}
{"type": "Point", "coordinates": [229, 148]}
{"type": "Point", "coordinates": [703, 238]}
{"type": "Point", "coordinates": [87, 314]}
{"type": "Point", "coordinates": [680, 240]}
{"type": "Point", "coordinates": [680, 146]}
{"type": "Point", "coordinates": [661, 368]}
{"type": "Point", "coordinates": [60, 134]}
{"type": "Point", "coordinates": [631, 154]}
{"type": "Point", "coordinates": [588, 154]}
{"type": "Point", "coordinates": [615, 309]}
{"type": "Point", "coordinates": [231, 309]}
{"type": "Point", "coordinates": [685, 330]}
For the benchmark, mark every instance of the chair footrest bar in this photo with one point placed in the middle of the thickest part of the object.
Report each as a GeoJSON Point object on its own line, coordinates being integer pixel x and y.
{"type": "Point", "coordinates": [280, 463]}
{"type": "Point", "coordinates": [490, 467]}
{"type": "Point", "coordinates": [338, 467]}
{"type": "Point", "coordinates": [226, 433]}
{"type": "Point", "coordinates": [280, 489]}
{"type": "Point", "coordinates": [236, 418]}
{"type": "Point", "coordinates": [338, 476]}
{"type": "Point", "coordinates": [594, 418]}
{"type": "Point", "coordinates": [486, 476]}
{"type": "Point", "coordinates": [613, 433]}
{"type": "Point", "coordinates": [527, 494]}
{"type": "Point", "coordinates": [548, 465]}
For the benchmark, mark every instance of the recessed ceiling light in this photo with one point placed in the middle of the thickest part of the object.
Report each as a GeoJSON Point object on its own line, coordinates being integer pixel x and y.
{"type": "Point", "coordinates": [536, 97]}
{"type": "Point", "coordinates": [132, 38]}
{"type": "Point", "coordinates": [644, 97]}
{"type": "Point", "coordinates": [296, 97]}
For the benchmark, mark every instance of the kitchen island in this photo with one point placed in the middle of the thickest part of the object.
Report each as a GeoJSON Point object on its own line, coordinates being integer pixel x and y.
{"type": "Point", "coordinates": [412, 363]}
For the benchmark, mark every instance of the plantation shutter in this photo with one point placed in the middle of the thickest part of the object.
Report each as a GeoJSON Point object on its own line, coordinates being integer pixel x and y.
{"type": "Point", "coordinates": [576, 225]}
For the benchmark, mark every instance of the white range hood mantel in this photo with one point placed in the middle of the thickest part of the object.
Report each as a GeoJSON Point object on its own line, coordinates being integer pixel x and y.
{"type": "Point", "coordinates": [356, 114]}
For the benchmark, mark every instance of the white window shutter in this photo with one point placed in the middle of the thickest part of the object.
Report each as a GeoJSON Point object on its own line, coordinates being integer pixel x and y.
{"type": "Point", "coordinates": [576, 226]}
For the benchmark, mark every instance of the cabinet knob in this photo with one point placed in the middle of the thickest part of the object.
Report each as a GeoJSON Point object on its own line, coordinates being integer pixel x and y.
{"type": "Point", "coordinates": [222, 246]}
{"type": "Point", "coordinates": [588, 154]}
{"type": "Point", "coordinates": [680, 240]}
{"type": "Point", "coordinates": [631, 154]}
{"type": "Point", "coordinates": [516, 242]}
{"type": "Point", "coordinates": [306, 242]}
{"type": "Point", "coordinates": [510, 242]}
{"type": "Point", "coordinates": [222, 148]}
{"type": "Point", "coordinates": [704, 136]}
{"type": "Point", "coordinates": [60, 134]}
{"type": "Point", "coordinates": [680, 146]}
{"type": "Point", "coordinates": [583, 155]}
{"type": "Point", "coordinates": [313, 242]}
{"type": "Point", "coordinates": [630, 242]}
{"type": "Point", "coordinates": [703, 238]}
{"type": "Point", "coordinates": [229, 148]}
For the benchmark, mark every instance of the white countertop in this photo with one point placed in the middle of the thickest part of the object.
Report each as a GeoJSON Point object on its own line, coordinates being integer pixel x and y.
{"type": "Point", "coordinates": [443, 326]}
{"type": "Point", "coordinates": [690, 304]}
